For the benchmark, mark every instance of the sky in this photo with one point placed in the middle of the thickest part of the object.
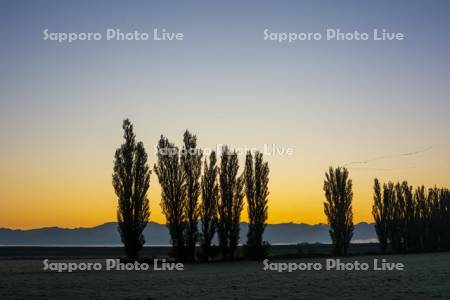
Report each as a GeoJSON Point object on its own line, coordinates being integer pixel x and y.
{"type": "Point", "coordinates": [332, 102]}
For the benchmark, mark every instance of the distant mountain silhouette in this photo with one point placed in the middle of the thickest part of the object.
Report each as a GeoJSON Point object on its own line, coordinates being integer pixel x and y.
{"type": "Point", "coordinates": [157, 234]}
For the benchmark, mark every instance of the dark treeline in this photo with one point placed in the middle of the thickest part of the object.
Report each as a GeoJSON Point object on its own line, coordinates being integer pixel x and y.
{"type": "Point", "coordinates": [212, 199]}
{"type": "Point", "coordinates": [201, 197]}
{"type": "Point", "coordinates": [406, 219]}
{"type": "Point", "coordinates": [411, 220]}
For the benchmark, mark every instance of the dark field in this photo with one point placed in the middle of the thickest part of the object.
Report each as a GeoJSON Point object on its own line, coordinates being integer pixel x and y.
{"type": "Point", "coordinates": [426, 276]}
{"type": "Point", "coordinates": [276, 251]}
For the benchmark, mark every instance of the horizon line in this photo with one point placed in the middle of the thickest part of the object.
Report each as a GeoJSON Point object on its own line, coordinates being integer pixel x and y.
{"type": "Point", "coordinates": [162, 224]}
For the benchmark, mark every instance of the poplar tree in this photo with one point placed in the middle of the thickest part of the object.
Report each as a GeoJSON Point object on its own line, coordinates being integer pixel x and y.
{"type": "Point", "coordinates": [257, 191]}
{"type": "Point", "coordinates": [173, 192]}
{"type": "Point", "coordinates": [380, 211]}
{"type": "Point", "coordinates": [338, 208]}
{"type": "Point", "coordinates": [444, 199]}
{"type": "Point", "coordinates": [208, 208]}
{"type": "Point", "coordinates": [230, 203]}
{"type": "Point", "coordinates": [131, 180]}
{"type": "Point", "coordinates": [191, 162]}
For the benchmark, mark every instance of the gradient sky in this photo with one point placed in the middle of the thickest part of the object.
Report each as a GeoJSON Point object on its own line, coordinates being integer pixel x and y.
{"type": "Point", "coordinates": [62, 105]}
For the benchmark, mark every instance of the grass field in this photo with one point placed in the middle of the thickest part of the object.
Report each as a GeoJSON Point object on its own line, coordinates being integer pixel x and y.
{"type": "Point", "coordinates": [426, 276]}
{"type": "Point", "coordinates": [64, 252]}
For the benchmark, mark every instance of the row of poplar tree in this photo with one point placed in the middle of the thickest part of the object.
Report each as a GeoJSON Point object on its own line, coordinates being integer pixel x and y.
{"type": "Point", "coordinates": [406, 219]}
{"type": "Point", "coordinates": [409, 220]}
{"type": "Point", "coordinates": [197, 190]}
{"type": "Point", "coordinates": [200, 196]}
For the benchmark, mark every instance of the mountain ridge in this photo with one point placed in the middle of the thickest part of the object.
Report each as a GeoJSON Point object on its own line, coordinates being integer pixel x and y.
{"type": "Point", "coordinates": [157, 234]}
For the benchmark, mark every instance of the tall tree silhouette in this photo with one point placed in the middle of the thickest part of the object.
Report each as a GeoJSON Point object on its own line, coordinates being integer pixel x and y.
{"type": "Point", "coordinates": [191, 161]}
{"type": "Point", "coordinates": [410, 223]}
{"type": "Point", "coordinates": [230, 203]}
{"type": "Point", "coordinates": [399, 208]}
{"type": "Point", "coordinates": [338, 208]}
{"type": "Point", "coordinates": [396, 220]}
{"type": "Point", "coordinates": [444, 198]}
{"type": "Point", "coordinates": [380, 210]}
{"type": "Point", "coordinates": [208, 208]}
{"type": "Point", "coordinates": [131, 180]}
{"type": "Point", "coordinates": [434, 219]}
{"type": "Point", "coordinates": [173, 193]}
{"type": "Point", "coordinates": [257, 192]}
{"type": "Point", "coordinates": [420, 200]}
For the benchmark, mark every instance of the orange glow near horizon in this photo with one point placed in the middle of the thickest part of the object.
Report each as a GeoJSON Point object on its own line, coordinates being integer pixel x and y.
{"type": "Point", "coordinates": [72, 200]}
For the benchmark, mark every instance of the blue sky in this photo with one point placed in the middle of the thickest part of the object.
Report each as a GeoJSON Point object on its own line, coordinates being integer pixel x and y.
{"type": "Point", "coordinates": [61, 105]}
